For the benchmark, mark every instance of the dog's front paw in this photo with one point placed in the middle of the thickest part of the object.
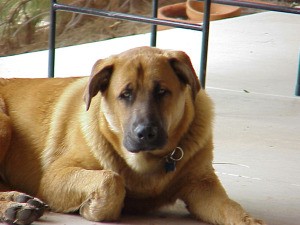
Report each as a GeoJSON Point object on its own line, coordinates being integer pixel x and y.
{"type": "Point", "coordinates": [248, 220]}
{"type": "Point", "coordinates": [97, 208]}
{"type": "Point", "coordinates": [107, 202]}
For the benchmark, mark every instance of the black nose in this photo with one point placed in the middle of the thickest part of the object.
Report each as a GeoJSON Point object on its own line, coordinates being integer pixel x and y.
{"type": "Point", "coordinates": [146, 133]}
{"type": "Point", "coordinates": [145, 137]}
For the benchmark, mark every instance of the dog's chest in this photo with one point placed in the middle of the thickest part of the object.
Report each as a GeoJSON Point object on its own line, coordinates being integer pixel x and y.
{"type": "Point", "coordinates": [150, 186]}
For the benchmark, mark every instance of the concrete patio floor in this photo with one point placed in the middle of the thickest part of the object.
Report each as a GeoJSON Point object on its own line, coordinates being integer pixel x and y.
{"type": "Point", "coordinates": [252, 70]}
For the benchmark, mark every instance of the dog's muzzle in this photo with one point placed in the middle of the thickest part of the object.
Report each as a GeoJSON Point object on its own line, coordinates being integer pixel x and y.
{"type": "Point", "coordinates": [145, 137]}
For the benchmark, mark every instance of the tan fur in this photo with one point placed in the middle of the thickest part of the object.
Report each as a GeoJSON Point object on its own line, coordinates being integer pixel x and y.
{"type": "Point", "coordinates": [74, 159]}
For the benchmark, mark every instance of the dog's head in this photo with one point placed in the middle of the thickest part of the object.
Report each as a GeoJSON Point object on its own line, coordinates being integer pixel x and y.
{"type": "Point", "coordinates": [145, 96]}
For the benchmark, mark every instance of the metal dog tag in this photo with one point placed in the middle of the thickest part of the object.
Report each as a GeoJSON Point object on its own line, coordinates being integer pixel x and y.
{"type": "Point", "coordinates": [170, 166]}
{"type": "Point", "coordinates": [172, 158]}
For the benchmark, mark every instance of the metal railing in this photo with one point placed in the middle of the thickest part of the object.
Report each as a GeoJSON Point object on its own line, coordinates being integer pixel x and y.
{"type": "Point", "coordinates": [135, 18]}
{"type": "Point", "coordinates": [154, 21]}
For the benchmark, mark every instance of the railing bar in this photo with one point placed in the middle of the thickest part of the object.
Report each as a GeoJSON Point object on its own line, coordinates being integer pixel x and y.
{"type": "Point", "coordinates": [205, 38]}
{"type": "Point", "coordinates": [153, 26]}
{"type": "Point", "coordinates": [123, 16]}
{"type": "Point", "coordinates": [262, 6]}
{"type": "Point", "coordinates": [52, 28]}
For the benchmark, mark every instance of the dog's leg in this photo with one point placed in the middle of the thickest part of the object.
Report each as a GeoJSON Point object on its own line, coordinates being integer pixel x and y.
{"type": "Point", "coordinates": [97, 194]}
{"type": "Point", "coordinates": [15, 207]}
{"type": "Point", "coordinates": [208, 201]}
{"type": "Point", "coordinates": [19, 208]}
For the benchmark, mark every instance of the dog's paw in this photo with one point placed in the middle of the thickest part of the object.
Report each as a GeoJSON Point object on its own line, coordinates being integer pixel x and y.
{"type": "Point", "coordinates": [96, 208]}
{"type": "Point", "coordinates": [20, 214]}
{"type": "Point", "coordinates": [39, 206]}
{"type": "Point", "coordinates": [248, 220]}
{"type": "Point", "coordinates": [19, 208]}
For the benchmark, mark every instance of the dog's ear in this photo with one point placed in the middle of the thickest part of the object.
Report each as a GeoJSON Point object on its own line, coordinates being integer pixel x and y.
{"type": "Point", "coordinates": [182, 65]}
{"type": "Point", "coordinates": [99, 81]}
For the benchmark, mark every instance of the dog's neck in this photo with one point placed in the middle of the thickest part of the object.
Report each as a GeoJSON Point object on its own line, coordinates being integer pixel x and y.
{"type": "Point", "coordinates": [152, 162]}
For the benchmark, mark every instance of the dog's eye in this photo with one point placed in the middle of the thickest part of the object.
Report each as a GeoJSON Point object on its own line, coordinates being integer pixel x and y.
{"type": "Point", "coordinates": [127, 94]}
{"type": "Point", "coordinates": [161, 92]}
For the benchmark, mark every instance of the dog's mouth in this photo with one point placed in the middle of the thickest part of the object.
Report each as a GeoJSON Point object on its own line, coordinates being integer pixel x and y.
{"type": "Point", "coordinates": [136, 147]}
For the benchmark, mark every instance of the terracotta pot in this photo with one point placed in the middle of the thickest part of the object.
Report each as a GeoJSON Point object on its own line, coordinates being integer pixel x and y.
{"type": "Point", "coordinates": [195, 10]}
{"type": "Point", "coordinates": [174, 12]}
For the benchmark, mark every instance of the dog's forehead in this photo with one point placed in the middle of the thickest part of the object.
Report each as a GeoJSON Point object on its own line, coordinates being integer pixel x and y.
{"type": "Point", "coordinates": [144, 67]}
{"type": "Point", "coordinates": [144, 59]}
{"type": "Point", "coordinates": [142, 51]}
{"type": "Point", "coordinates": [142, 55]}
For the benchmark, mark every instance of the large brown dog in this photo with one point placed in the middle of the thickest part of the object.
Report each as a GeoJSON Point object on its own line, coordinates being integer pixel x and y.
{"type": "Point", "coordinates": [141, 139]}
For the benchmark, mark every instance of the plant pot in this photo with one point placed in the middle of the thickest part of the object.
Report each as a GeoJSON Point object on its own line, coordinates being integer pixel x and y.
{"type": "Point", "coordinates": [195, 10]}
{"type": "Point", "coordinates": [174, 12]}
